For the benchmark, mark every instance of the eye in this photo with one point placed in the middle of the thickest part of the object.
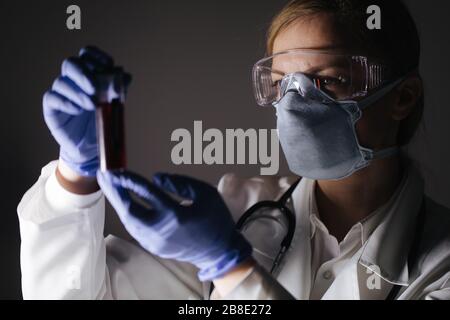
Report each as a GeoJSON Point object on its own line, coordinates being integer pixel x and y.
{"type": "Point", "coordinates": [327, 81]}
{"type": "Point", "coordinates": [337, 87]}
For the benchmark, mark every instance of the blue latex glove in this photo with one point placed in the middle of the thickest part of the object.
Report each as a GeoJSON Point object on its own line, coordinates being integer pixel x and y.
{"type": "Point", "coordinates": [69, 108]}
{"type": "Point", "coordinates": [202, 233]}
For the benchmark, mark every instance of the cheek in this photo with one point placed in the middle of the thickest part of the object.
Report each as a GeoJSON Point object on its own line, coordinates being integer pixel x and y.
{"type": "Point", "coordinates": [376, 129]}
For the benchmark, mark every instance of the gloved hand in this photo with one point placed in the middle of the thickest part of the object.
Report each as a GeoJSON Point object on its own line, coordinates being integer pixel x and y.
{"type": "Point", "coordinates": [69, 108]}
{"type": "Point", "coordinates": [202, 232]}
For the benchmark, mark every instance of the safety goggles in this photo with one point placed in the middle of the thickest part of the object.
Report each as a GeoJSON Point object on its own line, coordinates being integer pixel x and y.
{"type": "Point", "coordinates": [342, 77]}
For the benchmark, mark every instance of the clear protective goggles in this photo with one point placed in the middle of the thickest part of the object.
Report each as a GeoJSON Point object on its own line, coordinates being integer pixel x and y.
{"type": "Point", "coordinates": [342, 77]}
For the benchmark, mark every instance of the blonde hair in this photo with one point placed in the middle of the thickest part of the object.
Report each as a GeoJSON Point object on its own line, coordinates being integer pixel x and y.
{"type": "Point", "coordinates": [291, 12]}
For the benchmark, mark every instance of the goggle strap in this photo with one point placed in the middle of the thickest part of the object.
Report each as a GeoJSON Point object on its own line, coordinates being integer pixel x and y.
{"type": "Point", "coordinates": [374, 97]}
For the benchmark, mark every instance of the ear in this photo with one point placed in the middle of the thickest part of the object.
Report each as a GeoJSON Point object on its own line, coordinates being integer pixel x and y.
{"type": "Point", "coordinates": [408, 94]}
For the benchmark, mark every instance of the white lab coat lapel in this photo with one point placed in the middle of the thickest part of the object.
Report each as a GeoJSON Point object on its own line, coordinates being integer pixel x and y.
{"type": "Point", "coordinates": [295, 271]}
{"type": "Point", "coordinates": [387, 248]}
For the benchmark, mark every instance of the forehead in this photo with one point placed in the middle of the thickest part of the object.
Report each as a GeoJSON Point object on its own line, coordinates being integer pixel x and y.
{"type": "Point", "coordinates": [318, 31]}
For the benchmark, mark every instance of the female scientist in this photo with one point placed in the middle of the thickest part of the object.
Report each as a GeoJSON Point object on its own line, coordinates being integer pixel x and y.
{"type": "Point", "coordinates": [355, 226]}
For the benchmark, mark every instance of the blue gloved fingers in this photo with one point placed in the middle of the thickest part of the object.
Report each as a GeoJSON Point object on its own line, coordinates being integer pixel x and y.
{"type": "Point", "coordinates": [163, 180]}
{"type": "Point", "coordinates": [78, 72]}
{"type": "Point", "coordinates": [92, 65]}
{"type": "Point", "coordinates": [54, 102]}
{"type": "Point", "coordinates": [183, 186]}
{"type": "Point", "coordinates": [96, 55]}
{"type": "Point", "coordinates": [68, 88]}
{"type": "Point", "coordinates": [203, 235]}
{"type": "Point", "coordinates": [157, 198]}
{"type": "Point", "coordinates": [95, 66]}
{"type": "Point", "coordinates": [120, 198]}
{"type": "Point", "coordinates": [99, 60]}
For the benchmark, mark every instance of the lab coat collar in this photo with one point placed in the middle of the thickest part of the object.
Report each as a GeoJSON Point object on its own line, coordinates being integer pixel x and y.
{"type": "Point", "coordinates": [389, 245]}
{"type": "Point", "coordinates": [365, 227]}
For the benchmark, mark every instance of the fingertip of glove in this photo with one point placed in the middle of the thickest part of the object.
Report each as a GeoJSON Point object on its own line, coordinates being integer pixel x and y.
{"type": "Point", "coordinates": [66, 63]}
{"type": "Point", "coordinates": [86, 49]}
{"type": "Point", "coordinates": [159, 177]}
{"type": "Point", "coordinates": [97, 54]}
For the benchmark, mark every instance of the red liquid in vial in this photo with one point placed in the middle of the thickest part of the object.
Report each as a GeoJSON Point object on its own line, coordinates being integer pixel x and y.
{"type": "Point", "coordinates": [111, 135]}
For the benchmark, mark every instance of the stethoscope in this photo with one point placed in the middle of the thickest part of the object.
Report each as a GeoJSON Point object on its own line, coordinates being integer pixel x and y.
{"type": "Point", "coordinates": [280, 205]}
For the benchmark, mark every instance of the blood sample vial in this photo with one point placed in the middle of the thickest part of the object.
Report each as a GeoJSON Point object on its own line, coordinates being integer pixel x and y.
{"type": "Point", "coordinates": [109, 116]}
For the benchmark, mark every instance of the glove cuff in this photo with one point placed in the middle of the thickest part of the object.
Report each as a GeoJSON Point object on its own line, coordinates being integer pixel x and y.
{"type": "Point", "coordinates": [238, 251]}
{"type": "Point", "coordinates": [87, 168]}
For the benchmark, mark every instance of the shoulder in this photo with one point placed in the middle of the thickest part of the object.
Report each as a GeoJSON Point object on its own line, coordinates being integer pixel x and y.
{"type": "Point", "coordinates": [437, 223]}
{"type": "Point", "coordinates": [433, 268]}
{"type": "Point", "coordinates": [436, 234]}
{"type": "Point", "coordinates": [35, 193]}
{"type": "Point", "coordinates": [240, 193]}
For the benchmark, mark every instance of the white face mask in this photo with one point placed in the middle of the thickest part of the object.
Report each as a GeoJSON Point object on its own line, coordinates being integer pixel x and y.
{"type": "Point", "coordinates": [317, 133]}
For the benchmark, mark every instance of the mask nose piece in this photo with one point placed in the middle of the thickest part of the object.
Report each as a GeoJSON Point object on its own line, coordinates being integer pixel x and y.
{"type": "Point", "coordinates": [291, 84]}
{"type": "Point", "coordinates": [298, 88]}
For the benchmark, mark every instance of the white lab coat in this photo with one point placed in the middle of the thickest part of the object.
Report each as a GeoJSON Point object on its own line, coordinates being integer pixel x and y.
{"type": "Point", "coordinates": [65, 256]}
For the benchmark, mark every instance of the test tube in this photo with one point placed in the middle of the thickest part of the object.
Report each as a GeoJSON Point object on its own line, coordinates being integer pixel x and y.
{"type": "Point", "coordinates": [109, 115]}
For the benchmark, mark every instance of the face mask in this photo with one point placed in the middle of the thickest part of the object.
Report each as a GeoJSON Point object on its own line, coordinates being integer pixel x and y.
{"type": "Point", "coordinates": [317, 133]}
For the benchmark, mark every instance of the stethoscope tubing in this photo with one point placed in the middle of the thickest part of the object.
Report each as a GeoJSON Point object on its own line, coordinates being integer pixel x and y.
{"type": "Point", "coordinates": [280, 205]}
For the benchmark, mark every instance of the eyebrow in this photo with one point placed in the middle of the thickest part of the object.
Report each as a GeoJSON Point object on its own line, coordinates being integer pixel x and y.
{"type": "Point", "coordinates": [317, 68]}
{"type": "Point", "coordinates": [337, 48]}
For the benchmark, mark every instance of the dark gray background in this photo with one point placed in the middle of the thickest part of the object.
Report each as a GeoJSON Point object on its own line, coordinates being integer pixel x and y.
{"type": "Point", "coordinates": [190, 60]}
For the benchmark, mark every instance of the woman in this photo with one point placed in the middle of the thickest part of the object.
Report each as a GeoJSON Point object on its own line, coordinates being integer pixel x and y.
{"type": "Point", "coordinates": [346, 99]}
